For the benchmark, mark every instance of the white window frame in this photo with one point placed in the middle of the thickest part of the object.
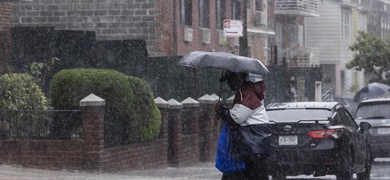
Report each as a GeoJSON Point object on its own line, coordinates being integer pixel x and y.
{"type": "Point", "coordinates": [346, 24]}
{"type": "Point", "coordinates": [362, 21]}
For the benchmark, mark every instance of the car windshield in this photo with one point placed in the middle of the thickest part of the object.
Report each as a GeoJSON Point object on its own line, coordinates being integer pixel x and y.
{"type": "Point", "coordinates": [373, 111]}
{"type": "Point", "coordinates": [292, 115]}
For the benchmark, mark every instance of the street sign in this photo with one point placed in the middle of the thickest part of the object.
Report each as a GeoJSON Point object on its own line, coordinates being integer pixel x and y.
{"type": "Point", "coordinates": [232, 28]}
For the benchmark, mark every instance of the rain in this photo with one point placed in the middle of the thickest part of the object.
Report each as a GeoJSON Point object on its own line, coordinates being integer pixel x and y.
{"type": "Point", "coordinates": [131, 89]}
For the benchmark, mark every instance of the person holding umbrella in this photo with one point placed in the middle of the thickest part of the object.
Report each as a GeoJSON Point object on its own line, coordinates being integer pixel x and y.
{"type": "Point", "coordinates": [248, 122]}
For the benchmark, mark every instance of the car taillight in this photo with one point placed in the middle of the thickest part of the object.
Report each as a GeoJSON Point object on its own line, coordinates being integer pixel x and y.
{"type": "Point", "coordinates": [325, 134]}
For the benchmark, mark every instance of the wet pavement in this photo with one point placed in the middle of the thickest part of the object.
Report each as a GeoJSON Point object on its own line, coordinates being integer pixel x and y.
{"type": "Point", "coordinates": [201, 171]}
{"type": "Point", "coordinates": [205, 171]}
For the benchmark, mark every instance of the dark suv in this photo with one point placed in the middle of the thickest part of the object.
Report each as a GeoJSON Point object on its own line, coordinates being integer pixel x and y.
{"type": "Point", "coordinates": [377, 113]}
{"type": "Point", "coordinates": [317, 138]}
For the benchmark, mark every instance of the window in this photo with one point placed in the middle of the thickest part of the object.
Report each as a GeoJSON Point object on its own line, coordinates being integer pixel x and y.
{"type": "Point", "coordinates": [336, 120]}
{"type": "Point", "coordinates": [186, 12]}
{"type": "Point", "coordinates": [346, 118]}
{"type": "Point", "coordinates": [362, 22]}
{"type": "Point", "coordinates": [346, 24]}
{"type": "Point", "coordinates": [236, 10]}
{"type": "Point", "coordinates": [204, 13]}
{"type": "Point", "coordinates": [221, 13]}
{"type": "Point", "coordinates": [383, 28]}
{"type": "Point", "coordinates": [259, 5]}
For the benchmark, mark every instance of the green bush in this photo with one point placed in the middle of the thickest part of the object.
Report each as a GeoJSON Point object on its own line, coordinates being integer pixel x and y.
{"type": "Point", "coordinates": [69, 86]}
{"type": "Point", "coordinates": [20, 92]}
{"type": "Point", "coordinates": [145, 119]}
{"type": "Point", "coordinates": [131, 114]}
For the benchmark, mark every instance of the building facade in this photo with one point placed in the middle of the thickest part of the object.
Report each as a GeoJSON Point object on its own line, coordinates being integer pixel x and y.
{"type": "Point", "coordinates": [169, 27]}
{"type": "Point", "coordinates": [5, 34]}
{"type": "Point", "coordinates": [290, 48]}
{"type": "Point", "coordinates": [335, 30]}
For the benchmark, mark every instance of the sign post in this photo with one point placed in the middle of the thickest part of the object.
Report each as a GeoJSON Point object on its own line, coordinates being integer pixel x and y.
{"type": "Point", "coordinates": [232, 28]}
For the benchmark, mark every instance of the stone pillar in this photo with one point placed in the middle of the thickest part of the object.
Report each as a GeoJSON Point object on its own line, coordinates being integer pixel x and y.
{"type": "Point", "coordinates": [206, 126]}
{"type": "Point", "coordinates": [164, 110]}
{"type": "Point", "coordinates": [174, 132]}
{"type": "Point", "coordinates": [190, 114]}
{"type": "Point", "coordinates": [229, 101]}
{"type": "Point", "coordinates": [163, 106]}
{"type": "Point", "coordinates": [92, 109]}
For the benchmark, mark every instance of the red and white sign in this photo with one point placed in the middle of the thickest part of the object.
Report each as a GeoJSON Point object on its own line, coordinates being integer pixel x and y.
{"type": "Point", "coordinates": [232, 28]}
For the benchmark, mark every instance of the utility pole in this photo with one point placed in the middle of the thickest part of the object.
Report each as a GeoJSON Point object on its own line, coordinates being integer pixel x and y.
{"type": "Point", "coordinates": [244, 39]}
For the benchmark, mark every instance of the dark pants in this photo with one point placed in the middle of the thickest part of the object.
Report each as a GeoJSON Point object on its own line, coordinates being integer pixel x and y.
{"type": "Point", "coordinates": [256, 169]}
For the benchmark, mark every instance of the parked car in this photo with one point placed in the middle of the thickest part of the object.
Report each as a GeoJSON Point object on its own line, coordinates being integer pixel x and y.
{"type": "Point", "coordinates": [317, 138]}
{"type": "Point", "coordinates": [377, 112]}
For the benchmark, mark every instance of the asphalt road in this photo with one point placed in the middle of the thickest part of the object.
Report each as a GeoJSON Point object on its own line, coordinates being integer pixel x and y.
{"type": "Point", "coordinates": [202, 171]}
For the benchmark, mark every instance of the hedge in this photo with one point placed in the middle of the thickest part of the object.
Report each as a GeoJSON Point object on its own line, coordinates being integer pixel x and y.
{"type": "Point", "coordinates": [131, 114]}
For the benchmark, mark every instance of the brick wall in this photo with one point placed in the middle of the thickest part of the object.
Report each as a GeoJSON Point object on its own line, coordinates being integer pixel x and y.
{"type": "Point", "coordinates": [157, 22]}
{"type": "Point", "coordinates": [5, 35]}
{"type": "Point", "coordinates": [48, 154]}
{"type": "Point", "coordinates": [5, 16]}
{"type": "Point", "coordinates": [111, 20]}
{"type": "Point", "coordinates": [178, 143]}
{"type": "Point", "coordinates": [184, 47]}
{"type": "Point", "coordinates": [136, 156]}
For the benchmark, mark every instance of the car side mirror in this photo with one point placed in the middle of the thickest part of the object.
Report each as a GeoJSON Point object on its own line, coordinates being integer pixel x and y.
{"type": "Point", "coordinates": [364, 126]}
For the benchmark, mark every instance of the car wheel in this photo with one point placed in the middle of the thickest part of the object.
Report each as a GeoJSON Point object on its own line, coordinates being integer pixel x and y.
{"type": "Point", "coordinates": [366, 174]}
{"type": "Point", "coordinates": [346, 166]}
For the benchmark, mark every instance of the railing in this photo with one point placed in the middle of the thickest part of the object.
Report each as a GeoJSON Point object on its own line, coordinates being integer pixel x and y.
{"type": "Point", "coordinates": [302, 57]}
{"type": "Point", "coordinates": [40, 124]}
{"type": "Point", "coordinates": [297, 7]}
{"type": "Point", "coordinates": [328, 95]}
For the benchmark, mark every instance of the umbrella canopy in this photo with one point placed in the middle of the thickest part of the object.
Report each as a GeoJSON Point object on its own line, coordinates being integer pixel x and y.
{"type": "Point", "coordinates": [223, 60]}
{"type": "Point", "coordinates": [372, 90]}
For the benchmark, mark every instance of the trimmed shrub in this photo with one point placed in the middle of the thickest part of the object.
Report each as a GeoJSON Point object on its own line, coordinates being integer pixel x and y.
{"type": "Point", "coordinates": [69, 86]}
{"type": "Point", "coordinates": [144, 118]}
{"type": "Point", "coordinates": [130, 112]}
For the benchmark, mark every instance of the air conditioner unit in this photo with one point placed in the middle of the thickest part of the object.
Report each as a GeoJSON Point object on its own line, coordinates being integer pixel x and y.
{"type": "Point", "coordinates": [188, 34]}
{"type": "Point", "coordinates": [206, 36]}
{"type": "Point", "coordinates": [260, 18]}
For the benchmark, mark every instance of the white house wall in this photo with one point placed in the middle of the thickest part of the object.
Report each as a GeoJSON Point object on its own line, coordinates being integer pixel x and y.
{"type": "Point", "coordinates": [324, 33]}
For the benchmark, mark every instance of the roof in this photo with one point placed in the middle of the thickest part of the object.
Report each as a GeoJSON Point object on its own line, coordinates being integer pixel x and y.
{"type": "Point", "coordinates": [303, 105]}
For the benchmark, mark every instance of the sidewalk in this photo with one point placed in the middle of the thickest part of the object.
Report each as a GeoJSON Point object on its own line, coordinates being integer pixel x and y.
{"type": "Point", "coordinates": [205, 171]}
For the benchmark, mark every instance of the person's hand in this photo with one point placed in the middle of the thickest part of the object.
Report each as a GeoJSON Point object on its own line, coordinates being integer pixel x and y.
{"type": "Point", "coordinates": [217, 106]}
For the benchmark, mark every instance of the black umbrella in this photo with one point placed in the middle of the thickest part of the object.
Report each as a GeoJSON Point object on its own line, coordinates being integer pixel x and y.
{"type": "Point", "coordinates": [223, 60]}
{"type": "Point", "coordinates": [372, 90]}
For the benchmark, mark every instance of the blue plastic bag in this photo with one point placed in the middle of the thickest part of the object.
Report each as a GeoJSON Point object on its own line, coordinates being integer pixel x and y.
{"type": "Point", "coordinates": [226, 160]}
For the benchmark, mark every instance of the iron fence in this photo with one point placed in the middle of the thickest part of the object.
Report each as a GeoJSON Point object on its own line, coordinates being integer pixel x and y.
{"type": "Point", "coordinates": [40, 124]}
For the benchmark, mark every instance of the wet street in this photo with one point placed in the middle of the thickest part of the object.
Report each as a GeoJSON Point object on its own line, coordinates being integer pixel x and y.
{"type": "Point", "coordinates": [203, 171]}
{"type": "Point", "coordinates": [380, 171]}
